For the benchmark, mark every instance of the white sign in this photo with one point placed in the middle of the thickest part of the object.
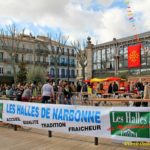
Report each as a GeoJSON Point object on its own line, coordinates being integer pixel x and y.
{"type": "Point", "coordinates": [125, 123]}
{"type": "Point", "coordinates": [1, 109]}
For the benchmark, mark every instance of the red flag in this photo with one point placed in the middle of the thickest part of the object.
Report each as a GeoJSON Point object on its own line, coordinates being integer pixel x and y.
{"type": "Point", "coordinates": [134, 59]}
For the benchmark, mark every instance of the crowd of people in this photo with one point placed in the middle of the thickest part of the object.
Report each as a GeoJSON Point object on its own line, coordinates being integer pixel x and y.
{"type": "Point", "coordinates": [66, 93]}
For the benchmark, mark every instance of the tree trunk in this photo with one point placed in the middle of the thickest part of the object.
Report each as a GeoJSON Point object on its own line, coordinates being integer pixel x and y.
{"type": "Point", "coordinates": [56, 71]}
{"type": "Point", "coordinates": [14, 73]}
{"type": "Point", "coordinates": [83, 72]}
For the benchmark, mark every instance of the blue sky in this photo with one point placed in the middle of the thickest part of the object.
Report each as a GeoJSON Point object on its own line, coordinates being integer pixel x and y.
{"type": "Point", "coordinates": [102, 20]}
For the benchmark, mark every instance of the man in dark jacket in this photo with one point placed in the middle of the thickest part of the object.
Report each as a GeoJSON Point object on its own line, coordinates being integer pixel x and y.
{"type": "Point", "coordinates": [115, 88]}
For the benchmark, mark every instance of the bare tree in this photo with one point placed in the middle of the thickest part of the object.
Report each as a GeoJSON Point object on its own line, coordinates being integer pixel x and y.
{"type": "Point", "coordinates": [11, 39]}
{"type": "Point", "coordinates": [49, 44]}
{"type": "Point", "coordinates": [81, 55]}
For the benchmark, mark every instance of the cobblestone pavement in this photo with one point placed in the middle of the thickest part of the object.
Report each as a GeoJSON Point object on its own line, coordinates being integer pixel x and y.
{"type": "Point", "coordinates": [34, 139]}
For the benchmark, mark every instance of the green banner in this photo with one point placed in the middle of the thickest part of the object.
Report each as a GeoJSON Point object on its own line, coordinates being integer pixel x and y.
{"type": "Point", "coordinates": [130, 124]}
{"type": "Point", "coordinates": [1, 109]}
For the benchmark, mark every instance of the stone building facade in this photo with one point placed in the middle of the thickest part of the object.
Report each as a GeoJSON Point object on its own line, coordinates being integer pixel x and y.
{"type": "Point", "coordinates": [111, 58]}
{"type": "Point", "coordinates": [32, 53]}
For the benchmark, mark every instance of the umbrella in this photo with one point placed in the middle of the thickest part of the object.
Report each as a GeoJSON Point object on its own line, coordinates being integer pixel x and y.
{"type": "Point", "coordinates": [87, 81]}
{"type": "Point", "coordinates": [97, 80]}
{"type": "Point", "coordinates": [113, 79]}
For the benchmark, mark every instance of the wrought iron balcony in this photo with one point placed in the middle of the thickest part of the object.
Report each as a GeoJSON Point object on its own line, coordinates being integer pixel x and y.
{"type": "Point", "coordinates": [62, 76]}
{"type": "Point", "coordinates": [41, 63]}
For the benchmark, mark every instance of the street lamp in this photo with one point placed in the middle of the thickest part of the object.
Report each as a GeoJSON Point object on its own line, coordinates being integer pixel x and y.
{"type": "Point", "coordinates": [146, 48]}
{"type": "Point", "coordinates": [116, 57]}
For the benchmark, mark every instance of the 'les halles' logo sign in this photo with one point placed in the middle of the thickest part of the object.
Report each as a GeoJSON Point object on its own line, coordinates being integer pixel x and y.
{"type": "Point", "coordinates": [121, 121]}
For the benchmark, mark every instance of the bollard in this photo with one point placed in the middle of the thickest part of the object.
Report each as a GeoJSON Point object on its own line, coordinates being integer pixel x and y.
{"type": "Point", "coordinates": [96, 140]}
{"type": "Point", "coordinates": [49, 133]}
{"type": "Point", "coordinates": [15, 127]}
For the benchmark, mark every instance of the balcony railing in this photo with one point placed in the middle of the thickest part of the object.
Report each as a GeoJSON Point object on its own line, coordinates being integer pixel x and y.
{"type": "Point", "coordinates": [51, 63]}
{"type": "Point", "coordinates": [41, 51]}
{"type": "Point", "coordinates": [7, 60]}
{"type": "Point", "coordinates": [72, 65]}
{"type": "Point", "coordinates": [63, 76]}
{"type": "Point", "coordinates": [6, 74]}
{"type": "Point", "coordinates": [62, 64]}
{"type": "Point", "coordinates": [41, 63]}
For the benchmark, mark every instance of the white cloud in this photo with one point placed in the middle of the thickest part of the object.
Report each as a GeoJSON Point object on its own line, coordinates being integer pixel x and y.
{"type": "Point", "coordinates": [105, 2]}
{"type": "Point", "coordinates": [74, 18]}
{"type": "Point", "coordinates": [142, 8]}
{"type": "Point", "coordinates": [5, 21]}
{"type": "Point", "coordinates": [27, 31]}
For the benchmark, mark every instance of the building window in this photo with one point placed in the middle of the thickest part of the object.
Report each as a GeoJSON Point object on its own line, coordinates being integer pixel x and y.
{"type": "Point", "coordinates": [68, 51]}
{"type": "Point", "coordinates": [65, 50]}
{"type": "Point", "coordinates": [143, 61]}
{"type": "Point", "coordinates": [148, 60]}
{"type": "Point", "coordinates": [23, 46]}
{"type": "Point", "coordinates": [77, 72]}
{"type": "Point", "coordinates": [62, 51]}
{"type": "Point", "coordinates": [72, 62]}
{"type": "Point", "coordinates": [108, 54]}
{"type": "Point", "coordinates": [62, 73]}
{"type": "Point", "coordinates": [121, 53]}
{"type": "Point", "coordinates": [49, 60]}
{"type": "Point", "coordinates": [98, 66]}
{"type": "Point", "coordinates": [113, 51]}
{"type": "Point", "coordinates": [30, 58]}
{"type": "Point", "coordinates": [125, 52]}
{"type": "Point", "coordinates": [57, 50]}
{"type": "Point", "coordinates": [22, 58]}
{"type": "Point", "coordinates": [95, 66]}
{"type": "Point", "coordinates": [98, 56]}
{"type": "Point", "coordinates": [1, 56]}
{"type": "Point", "coordinates": [38, 58]}
{"type": "Point", "coordinates": [1, 70]}
{"type": "Point", "coordinates": [53, 49]}
{"type": "Point", "coordinates": [77, 64]}
{"type": "Point", "coordinates": [108, 65]}
{"type": "Point", "coordinates": [72, 51]}
{"type": "Point", "coordinates": [125, 63]}
{"type": "Point", "coordinates": [9, 71]}
{"type": "Point", "coordinates": [58, 71]}
{"type": "Point", "coordinates": [62, 61]}
{"type": "Point", "coordinates": [67, 73]}
{"type": "Point", "coordinates": [81, 72]}
{"type": "Point", "coordinates": [16, 58]}
{"type": "Point", "coordinates": [72, 73]}
{"type": "Point", "coordinates": [52, 60]}
{"type": "Point", "coordinates": [95, 57]}
{"type": "Point", "coordinates": [52, 72]}
{"type": "Point", "coordinates": [148, 51]}
{"type": "Point", "coordinates": [121, 64]}
{"type": "Point", "coordinates": [103, 65]}
{"type": "Point", "coordinates": [44, 59]}
{"type": "Point", "coordinates": [103, 55]}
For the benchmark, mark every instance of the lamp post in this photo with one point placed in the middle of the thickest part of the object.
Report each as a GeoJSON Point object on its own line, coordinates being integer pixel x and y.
{"type": "Point", "coordinates": [116, 57]}
{"type": "Point", "coordinates": [68, 65]}
{"type": "Point", "coordinates": [146, 48]}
